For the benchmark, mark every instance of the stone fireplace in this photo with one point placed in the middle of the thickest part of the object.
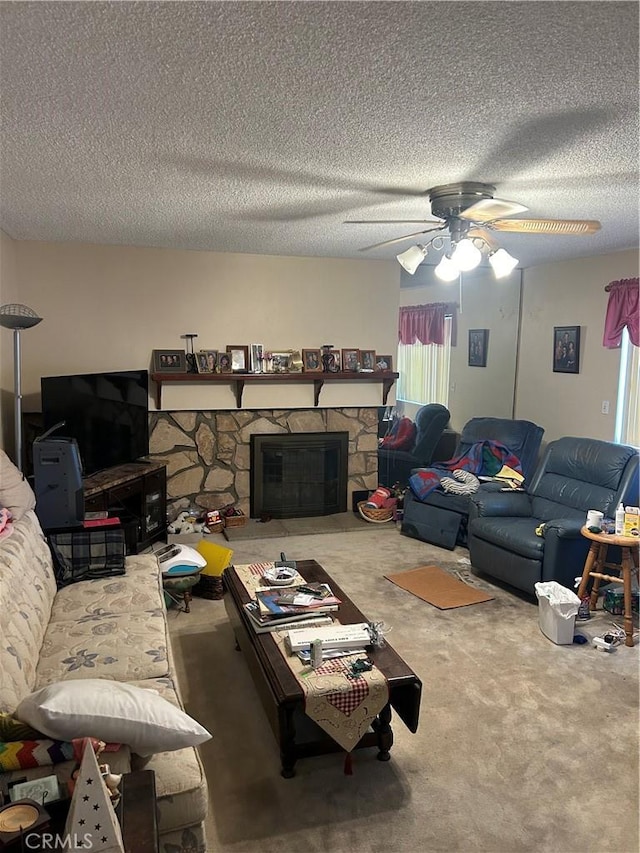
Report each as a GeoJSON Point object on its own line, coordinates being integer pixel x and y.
{"type": "Point", "coordinates": [208, 453]}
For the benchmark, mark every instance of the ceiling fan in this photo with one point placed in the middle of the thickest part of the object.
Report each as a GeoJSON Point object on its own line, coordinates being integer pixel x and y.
{"type": "Point", "coordinates": [470, 214]}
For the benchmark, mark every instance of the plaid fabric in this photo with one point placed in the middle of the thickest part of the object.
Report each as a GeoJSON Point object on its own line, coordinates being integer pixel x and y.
{"type": "Point", "coordinates": [348, 702]}
{"type": "Point", "coordinates": [485, 458]}
{"type": "Point", "coordinates": [87, 554]}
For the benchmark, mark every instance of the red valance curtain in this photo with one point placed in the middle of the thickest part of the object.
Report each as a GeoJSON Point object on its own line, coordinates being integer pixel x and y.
{"type": "Point", "coordinates": [623, 309]}
{"type": "Point", "coordinates": [425, 323]}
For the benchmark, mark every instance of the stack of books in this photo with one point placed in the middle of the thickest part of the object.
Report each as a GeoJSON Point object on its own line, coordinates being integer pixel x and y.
{"type": "Point", "coordinates": [277, 608]}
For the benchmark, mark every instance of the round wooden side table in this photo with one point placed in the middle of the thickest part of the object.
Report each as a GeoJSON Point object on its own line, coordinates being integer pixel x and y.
{"type": "Point", "coordinates": [597, 561]}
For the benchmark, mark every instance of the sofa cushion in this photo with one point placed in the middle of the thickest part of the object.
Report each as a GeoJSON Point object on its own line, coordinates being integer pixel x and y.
{"type": "Point", "coordinates": [27, 589]}
{"type": "Point", "coordinates": [516, 535]}
{"type": "Point", "coordinates": [181, 786]}
{"type": "Point", "coordinates": [139, 589]}
{"type": "Point", "coordinates": [115, 713]}
{"type": "Point", "coordinates": [15, 492]}
{"type": "Point", "coordinates": [120, 647]}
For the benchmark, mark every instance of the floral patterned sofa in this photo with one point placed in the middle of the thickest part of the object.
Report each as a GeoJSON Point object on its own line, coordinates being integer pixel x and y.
{"type": "Point", "coordinates": [113, 628]}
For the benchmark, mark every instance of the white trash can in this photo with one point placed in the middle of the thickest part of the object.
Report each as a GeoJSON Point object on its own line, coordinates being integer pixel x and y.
{"type": "Point", "coordinates": [557, 610]}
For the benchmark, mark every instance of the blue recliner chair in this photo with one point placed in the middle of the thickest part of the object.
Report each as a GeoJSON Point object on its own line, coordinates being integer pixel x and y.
{"type": "Point", "coordinates": [575, 475]}
{"type": "Point", "coordinates": [395, 466]}
{"type": "Point", "coordinates": [441, 518]}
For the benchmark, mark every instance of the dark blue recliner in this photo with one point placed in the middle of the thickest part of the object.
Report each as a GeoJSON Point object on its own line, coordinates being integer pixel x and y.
{"type": "Point", "coordinates": [575, 475]}
{"type": "Point", "coordinates": [441, 518]}
{"type": "Point", "coordinates": [395, 466]}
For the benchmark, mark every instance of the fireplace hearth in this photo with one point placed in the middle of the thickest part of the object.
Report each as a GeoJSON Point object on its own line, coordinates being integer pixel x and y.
{"type": "Point", "coordinates": [296, 475]}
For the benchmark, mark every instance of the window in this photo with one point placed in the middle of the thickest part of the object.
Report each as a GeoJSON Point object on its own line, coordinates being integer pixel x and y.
{"type": "Point", "coordinates": [424, 370]}
{"type": "Point", "coordinates": [627, 412]}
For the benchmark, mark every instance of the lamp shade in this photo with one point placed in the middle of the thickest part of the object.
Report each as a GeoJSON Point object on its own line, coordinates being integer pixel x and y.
{"type": "Point", "coordinates": [502, 263]}
{"type": "Point", "coordinates": [412, 258]}
{"type": "Point", "coordinates": [466, 256]}
{"type": "Point", "coordinates": [447, 270]}
{"type": "Point", "coordinates": [16, 316]}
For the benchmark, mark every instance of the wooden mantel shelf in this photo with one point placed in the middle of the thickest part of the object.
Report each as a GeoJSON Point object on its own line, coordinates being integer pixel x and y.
{"type": "Point", "coordinates": [386, 378]}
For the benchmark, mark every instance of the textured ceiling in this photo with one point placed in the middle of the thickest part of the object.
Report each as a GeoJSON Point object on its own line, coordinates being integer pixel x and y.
{"type": "Point", "coordinates": [260, 127]}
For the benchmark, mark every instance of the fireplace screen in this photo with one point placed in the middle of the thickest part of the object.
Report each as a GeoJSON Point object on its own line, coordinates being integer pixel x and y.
{"type": "Point", "coordinates": [299, 474]}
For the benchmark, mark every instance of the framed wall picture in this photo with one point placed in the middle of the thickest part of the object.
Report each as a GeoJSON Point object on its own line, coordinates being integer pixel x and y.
{"type": "Point", "coordinates": [350, 359]}
{"type": "Point", "coordinates": [239, 355]}
{"type": "Point", "coordinates": [311, 362]}
{"type": "Point", "coordinates": [368, 359]}
{"type": "Point", "coordinates": [384, 362]}
{"type": "Point", "coordinates": [206, 360]}
{"type": "Point", "coordinates": [337, 359]}
{"type": "Point", "coordinates": [566, 349]}
{"type": "Point", "coordinates": [478, 343]}
{"type": "Point", "coordinates": [169, 361]}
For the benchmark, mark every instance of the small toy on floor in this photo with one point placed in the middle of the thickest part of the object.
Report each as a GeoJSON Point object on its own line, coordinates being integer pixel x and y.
{"type": "Point", "coordinates": [184, 524]}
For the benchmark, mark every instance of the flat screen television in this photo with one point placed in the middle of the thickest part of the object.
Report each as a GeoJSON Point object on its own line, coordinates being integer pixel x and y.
{"type": "Point", "coordinates": [107, 414]}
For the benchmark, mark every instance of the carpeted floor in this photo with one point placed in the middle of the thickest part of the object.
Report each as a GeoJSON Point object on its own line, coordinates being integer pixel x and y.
{"type": "Point", "coordinates": [522, 745]}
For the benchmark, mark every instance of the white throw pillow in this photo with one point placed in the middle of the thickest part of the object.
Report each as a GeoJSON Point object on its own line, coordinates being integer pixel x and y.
{"type": "Point", "coordinates": [111, 711]}
{"type": "Point", "coordinates": [15, 492]}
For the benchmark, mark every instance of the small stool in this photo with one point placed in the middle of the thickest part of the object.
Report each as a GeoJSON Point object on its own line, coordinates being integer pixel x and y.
{"type": "Point", "coordinates": [178, 587]}
{"type": "Point", "coordinates": [596, 562]}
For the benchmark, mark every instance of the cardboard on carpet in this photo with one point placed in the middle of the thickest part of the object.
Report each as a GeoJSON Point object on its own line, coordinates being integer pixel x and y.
{"type": "Point", "coordinates": [435, 586]}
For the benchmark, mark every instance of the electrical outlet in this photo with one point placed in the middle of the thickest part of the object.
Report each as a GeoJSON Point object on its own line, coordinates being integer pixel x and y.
{"type": "Point", "coordinates": [605, 407]}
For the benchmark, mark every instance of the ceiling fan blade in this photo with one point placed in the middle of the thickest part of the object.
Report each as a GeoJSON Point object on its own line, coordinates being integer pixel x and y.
{"type": "Point", "coordinates": [546, 226]}
{"type": "Point", "coordinates": [392, 222]}
{"type": "Point", "coordinates": [400, 239]}
{"type": "Point", "coordinates": [491, 208]}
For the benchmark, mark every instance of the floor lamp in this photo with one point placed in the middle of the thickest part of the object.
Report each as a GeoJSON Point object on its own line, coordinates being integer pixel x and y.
{"type": "Point", "coordinates": [17, 317]}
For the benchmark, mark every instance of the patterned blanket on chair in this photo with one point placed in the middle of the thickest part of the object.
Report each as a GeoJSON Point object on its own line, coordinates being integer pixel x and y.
{"type": "Point", "coordinates": [484, 458]}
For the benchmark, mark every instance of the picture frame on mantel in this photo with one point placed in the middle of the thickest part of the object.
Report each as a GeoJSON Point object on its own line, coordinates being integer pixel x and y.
{"type": "Point", "coordinates": [566, 349]}
{"type": "Point", "coordinates": [350, 359]}
{"type": "Point", "coordinates": [169, 361]}
{"type": "Point", "coordinates": [239, 357]}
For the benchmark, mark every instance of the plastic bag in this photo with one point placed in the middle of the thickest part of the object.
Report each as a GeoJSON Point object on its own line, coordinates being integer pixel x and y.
{"type": "Point", "coordinates": [563, 601]}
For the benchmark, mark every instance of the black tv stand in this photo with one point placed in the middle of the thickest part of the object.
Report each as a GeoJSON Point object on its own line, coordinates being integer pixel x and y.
{"type": "Point", "coordinates": [137, 493]}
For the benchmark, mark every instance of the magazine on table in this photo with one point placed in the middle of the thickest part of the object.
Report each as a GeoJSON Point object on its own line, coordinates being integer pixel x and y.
{"type": "Point", "coordinates": [261, 623]}
{"type": "Point", "coordinates": [292, 601]}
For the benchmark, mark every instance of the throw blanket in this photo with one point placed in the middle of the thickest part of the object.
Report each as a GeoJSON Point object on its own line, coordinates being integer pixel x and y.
{"type": "Point", "coordinates": [483, 458]}
{"type": "Point", "coordinates": [23, 754]}
{"type": "Point", "coordinates": [6, 525]}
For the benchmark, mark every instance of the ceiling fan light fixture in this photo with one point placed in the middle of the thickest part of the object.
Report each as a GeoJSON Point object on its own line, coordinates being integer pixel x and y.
{"type": "Point", "coordinates": [502, 263]}
{"type": "Point", "coordinates": [411, 259]}
{"type": "Point", "coordinates": [466, 256]}
{"type": "Point", "coordinates": [447, 270]}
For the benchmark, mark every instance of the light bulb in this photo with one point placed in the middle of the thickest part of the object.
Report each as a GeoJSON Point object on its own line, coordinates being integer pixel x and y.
{"type": "Point", "coordinates": [502, 262]}
{"type": "Point", "coordinates": [447, 270]}
{"type": "Point", "coordinates": [466, 256]}
{"type": "Point", "coordinates": [412, 258]}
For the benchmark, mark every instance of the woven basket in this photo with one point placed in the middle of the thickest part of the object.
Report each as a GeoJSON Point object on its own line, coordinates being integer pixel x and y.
{"type": "Point", "coordinates": [377, 516]}
{"type": "Point", "coordinates": [216, 527]}
{"type": "Point", "coordinates": [235, 520]}
{"type": "Point", "coordinates": [209, 586]}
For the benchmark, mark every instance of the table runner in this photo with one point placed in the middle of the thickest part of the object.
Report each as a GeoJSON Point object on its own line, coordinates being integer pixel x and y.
{"type": "Point", "coordinates": [344, 707]}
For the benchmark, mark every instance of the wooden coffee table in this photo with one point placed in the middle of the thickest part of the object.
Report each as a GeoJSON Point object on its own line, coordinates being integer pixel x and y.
{"type": "Point", "coordinates": [281, 695]}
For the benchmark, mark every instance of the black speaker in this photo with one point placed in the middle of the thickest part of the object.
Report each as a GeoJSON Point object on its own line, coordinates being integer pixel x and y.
{"type": "Point", "coordinates": [57, 474]}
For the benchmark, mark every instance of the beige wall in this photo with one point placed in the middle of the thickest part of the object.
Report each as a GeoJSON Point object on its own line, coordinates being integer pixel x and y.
{"type": "Point", "coordinates": [484, 303]}
{"type": "Point", "coordinates": [8, 293]}
{"type": "Point", "coordinates": [108, 307]}
{"type": "Point", "coordinates": [570, 294]}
